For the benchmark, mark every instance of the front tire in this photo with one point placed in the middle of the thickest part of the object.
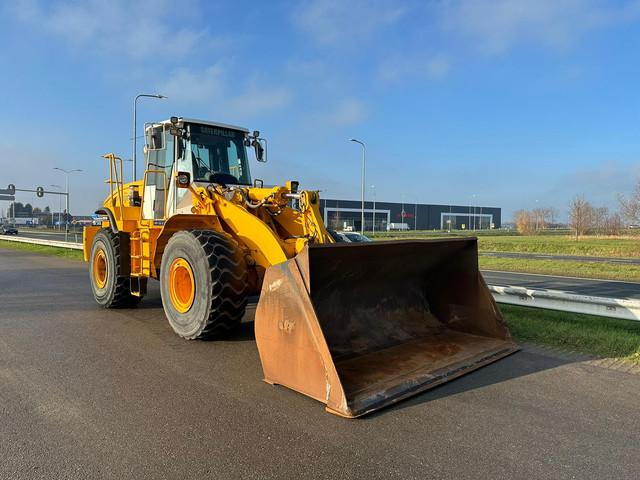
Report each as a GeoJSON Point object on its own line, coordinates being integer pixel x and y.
{"type": "Point", "coordinates": [203, 283]}
{"type": "Point", "coordinates": [110, 284]}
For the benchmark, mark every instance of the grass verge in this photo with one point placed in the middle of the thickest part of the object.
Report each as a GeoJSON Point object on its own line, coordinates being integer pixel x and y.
{"type": "Point", "coordinates": [599, 270]}
{"type": "Point", "coordinates": [54, 251]}
{"type": "Point", "coordinates": [598, 336]}
{"type": "Point", "coordinates": [552, 244]}
{"type": "Point", "coordinates": [562, 245]}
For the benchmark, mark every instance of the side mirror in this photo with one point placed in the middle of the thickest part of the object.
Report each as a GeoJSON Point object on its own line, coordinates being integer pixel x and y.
{"type": "Point", "coordinates": [183, 180]}
{"type": "Point", "coordinates": [260, 147]}
{"type": "Point", "coordinates": [154, 137]}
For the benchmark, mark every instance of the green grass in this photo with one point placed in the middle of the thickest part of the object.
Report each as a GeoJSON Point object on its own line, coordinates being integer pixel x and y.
{"type": "Point", "coordinates": [598, 336]}
{"type": "Point", "coordinates": [600, 270]}
{"type": "Point", "coordinates": [56, 252]}
{"type": "Point", "coordinates": [552, 244]}
{"type": "Point", "coordinates": [562, 245]}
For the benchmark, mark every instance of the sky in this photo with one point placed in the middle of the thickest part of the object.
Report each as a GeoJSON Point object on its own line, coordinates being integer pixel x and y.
{"type": "Point", "coordinates": [507, 103]}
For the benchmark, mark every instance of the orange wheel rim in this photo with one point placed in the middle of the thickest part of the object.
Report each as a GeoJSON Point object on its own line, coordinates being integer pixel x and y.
{"type": "Point", "coordinates": [182, 286]}
{"type": "Point", "coordinates": [100, 268]}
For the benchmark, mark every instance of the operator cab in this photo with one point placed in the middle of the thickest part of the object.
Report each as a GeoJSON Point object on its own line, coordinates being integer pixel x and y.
{"type": "Point", "coordinates": [209, 152]}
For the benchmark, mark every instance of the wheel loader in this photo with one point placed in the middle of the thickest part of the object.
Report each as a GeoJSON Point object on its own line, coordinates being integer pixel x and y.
{"type": "Point", "coordinates": [357, 326]}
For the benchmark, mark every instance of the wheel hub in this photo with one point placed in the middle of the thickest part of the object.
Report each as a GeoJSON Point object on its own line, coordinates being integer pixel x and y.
{"type": "Point", "coordinates": [100, 268]}
{"type": "Point", "coordinates": [182, 286]}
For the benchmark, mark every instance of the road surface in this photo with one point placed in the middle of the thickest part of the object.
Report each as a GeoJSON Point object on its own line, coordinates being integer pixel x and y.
{"type": "Point", "coordinates": [91, 393]}
{"type": "Point", "coordinates": [580, 286]}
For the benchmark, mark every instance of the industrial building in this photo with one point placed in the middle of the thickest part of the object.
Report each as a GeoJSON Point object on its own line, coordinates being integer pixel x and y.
{"type": "Point", "coordinates": [346, 214]}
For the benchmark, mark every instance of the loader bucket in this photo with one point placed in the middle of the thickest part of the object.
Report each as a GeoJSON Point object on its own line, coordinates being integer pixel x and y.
{"type": "Point", "coordinates": [361, 326]}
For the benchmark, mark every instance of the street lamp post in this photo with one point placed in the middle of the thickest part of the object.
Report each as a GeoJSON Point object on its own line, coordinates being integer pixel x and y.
{"type": "Point", "coordinates": [474, 212]}
{"type": "Point", "coordinates": [59, 206]}
{"type": "Point", "coordinates": [67, 172]}
{"type": "Point", "coordinates": [135, 119]}
{"type": "Point", "coordinates": [373, 225]}
{"type": "Point", "coordinates": [363, 172]}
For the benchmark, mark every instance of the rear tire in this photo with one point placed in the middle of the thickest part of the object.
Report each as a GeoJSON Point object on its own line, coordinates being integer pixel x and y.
{"type": "Point", "coordinates": [203, 283]}
{"type": "Point", "coordinates": [110, 284]}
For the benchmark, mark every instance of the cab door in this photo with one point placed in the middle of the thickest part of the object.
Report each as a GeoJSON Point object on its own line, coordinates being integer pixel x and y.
{"type": "Point", "coordinates": [159, 154]}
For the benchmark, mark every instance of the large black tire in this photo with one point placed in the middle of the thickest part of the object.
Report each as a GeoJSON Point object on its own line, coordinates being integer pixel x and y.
{"type": "Point", "coordinates": [111, 288]}
{"type": "Point", "coordinates": [220, 284]}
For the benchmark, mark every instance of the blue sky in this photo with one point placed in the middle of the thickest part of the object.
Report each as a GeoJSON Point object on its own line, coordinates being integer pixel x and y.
{"type": "Point", "coordinates": [512, 101]}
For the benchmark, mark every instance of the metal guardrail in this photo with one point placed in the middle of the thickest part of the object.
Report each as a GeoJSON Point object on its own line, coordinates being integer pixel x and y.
{"type": "Point", "coordinates": [39, 241]}
{"type": "Point", "coordinates": [564, 302]}
{"type": "Point", "coordinates": [568, 302]}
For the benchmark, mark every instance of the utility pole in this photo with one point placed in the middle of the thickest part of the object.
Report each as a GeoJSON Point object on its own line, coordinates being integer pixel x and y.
{"type": "Point", "coordinates": [59, 207]}
{"type": "Point", "coordinates": [66, 222]}
{"type": "Point", "coordinates": [363, 174]}
{"type": "Point", "coordinates": [373, 187]}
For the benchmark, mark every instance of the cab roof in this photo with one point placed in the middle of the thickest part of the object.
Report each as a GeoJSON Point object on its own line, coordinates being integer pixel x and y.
{"type": "Point", "coordinates": [209, 123]}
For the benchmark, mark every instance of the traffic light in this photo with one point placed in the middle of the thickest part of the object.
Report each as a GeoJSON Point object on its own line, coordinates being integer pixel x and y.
{"type": "Point", "coordinates": [11, 189]}
{"type": "Point", "coordinates": [40, 192]}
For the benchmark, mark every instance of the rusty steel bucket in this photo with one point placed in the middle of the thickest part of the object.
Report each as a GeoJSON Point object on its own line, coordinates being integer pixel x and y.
{"type": "Point", "coordinates": [361, 326]}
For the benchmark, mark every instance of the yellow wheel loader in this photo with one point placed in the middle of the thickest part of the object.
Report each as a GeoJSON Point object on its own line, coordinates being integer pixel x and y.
{"type": "Point", "coordinates": [355, 326]}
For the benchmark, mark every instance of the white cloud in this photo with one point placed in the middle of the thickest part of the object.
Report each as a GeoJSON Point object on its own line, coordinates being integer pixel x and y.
{"type": "Point", "coordinates": [408, 67]}
{"type": "Point", "coordinates": [190, 86]}
{"type": "Point", "coordinates": [212, 87]}
{"type": "Point", "coordinates": [496, 26]}
{"type": "Point", "coordinates": [132, 30]}
{"type": "Point", "coordinates": [337, 22]}
{"type": "Point", "coordinates": [258, 99]}
{"type": "Point", "coordinates": [348, 112]}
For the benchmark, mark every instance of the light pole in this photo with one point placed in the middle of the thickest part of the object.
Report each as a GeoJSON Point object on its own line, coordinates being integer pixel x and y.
{"type": "Point", "coordinates": [67, 172]}
{"type": "Point", "coordinates": [59, 207]}
{"type": "Point", "coordinates": [364, 149]}
{"type": "Point", "coordinates": [135, 118]}
{"type": "Point", "coordinates": [474, 212]}
{"type": "Point", "coordinates": [373, 225]}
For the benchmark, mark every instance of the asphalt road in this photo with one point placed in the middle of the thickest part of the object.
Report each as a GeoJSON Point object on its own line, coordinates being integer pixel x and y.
{"type": "Point", "coordinates": [90, 393]}
{"type": "Point", "coordinates": [580, 286]}
{"type": "Point", "coordinates": [575, 258]}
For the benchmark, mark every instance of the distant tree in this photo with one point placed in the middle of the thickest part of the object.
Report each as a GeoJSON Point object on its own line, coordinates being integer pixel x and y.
{"type": "Point", "coordinates": [524, 222]}
{"type": "Point", "coordinates": [614, 224]}
{"type": "Point", "coordinates": [47, 209]}
{"type": "Point", "coordinates": [630, 207]}
{"type": "Point", "coordinates": [581, 216]}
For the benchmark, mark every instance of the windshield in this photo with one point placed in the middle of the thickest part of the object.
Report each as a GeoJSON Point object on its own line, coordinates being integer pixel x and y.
{"type": "Point", "coordinates": [217, 154]}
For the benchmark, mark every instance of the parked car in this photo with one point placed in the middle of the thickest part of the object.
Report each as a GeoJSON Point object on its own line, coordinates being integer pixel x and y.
{"type": "Point", "coordinates": [355, 237]}
{"type": "Point", "coordinates": [338, 237]}
{"type": "Point", "coordinates": [9, 230]}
